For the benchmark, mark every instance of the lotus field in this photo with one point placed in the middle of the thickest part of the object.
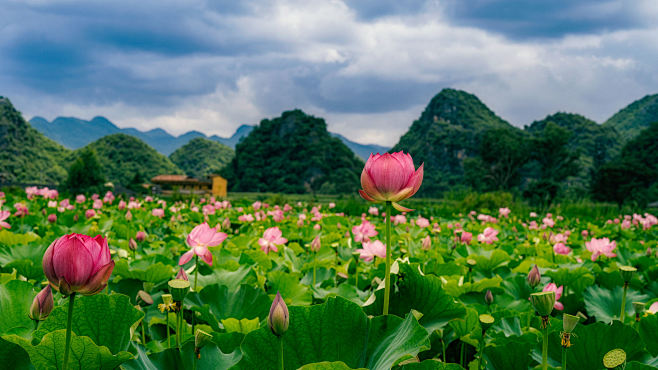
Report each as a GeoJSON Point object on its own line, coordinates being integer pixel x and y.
{"type": "Point", "coordinates": [105, 282]}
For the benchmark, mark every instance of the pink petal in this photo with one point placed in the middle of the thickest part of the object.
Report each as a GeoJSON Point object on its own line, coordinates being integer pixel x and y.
{"type": "Point", "coordinates": [186, 257]}
{"type": "Point", "coordinates": [401, 208]}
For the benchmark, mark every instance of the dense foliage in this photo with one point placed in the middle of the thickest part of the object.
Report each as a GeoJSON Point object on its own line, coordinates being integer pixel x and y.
{"type": "Point", "coordinates": [293, 153]}
{"type": "Point", "coordinates": [201, 157]}
{"type": "Point", "coordinates": [449, 270]}
{"type": "Point", "coordinates": [86, 174]}
{"type": "Point", "coordinates": [122, 157]}
{"type": "Point", "coordinates": [634, 118]}
{"type": "Point", "coordinates": [26, 156]}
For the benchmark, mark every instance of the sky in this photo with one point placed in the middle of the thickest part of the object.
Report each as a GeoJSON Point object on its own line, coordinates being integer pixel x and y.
{"type": "Point", "coordinates": [368, 67]}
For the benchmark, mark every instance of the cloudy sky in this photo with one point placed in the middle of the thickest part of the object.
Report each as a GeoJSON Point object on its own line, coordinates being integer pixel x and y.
{"type": "Point", "coordinates": [368, 67]}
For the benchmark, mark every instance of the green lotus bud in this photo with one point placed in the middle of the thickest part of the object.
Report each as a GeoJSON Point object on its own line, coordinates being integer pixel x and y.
{"type": "Point", "coordinates": [627, 273]}
{"type": "Point", "coordinates": [278, 319]}
{"type": "Point", "coordinates": [486, 321]}
{"type": "Point", "coordinates": [543, 302]}
{"type": "Point", "coordinates": [179, 289]}
{"type": "Point", "coordinates": [534, 277]}
{"type": "Point", "coordinates": [614, 358]}
{"type": "Point", "coordinates": [143, 297]}
{"type": "Point", "coordinates": [488, 297]}
{"type": "Point", "coordinates": [569, 322]}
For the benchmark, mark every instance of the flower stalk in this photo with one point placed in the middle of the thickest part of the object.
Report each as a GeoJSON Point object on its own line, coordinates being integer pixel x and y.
{"type": "Point", "coordinates": [69, 321]}
{"type": "Point", "coordinates": [387, 276]}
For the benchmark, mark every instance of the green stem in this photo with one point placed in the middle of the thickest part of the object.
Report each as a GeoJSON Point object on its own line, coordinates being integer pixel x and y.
{"type": "Point", "coordinates": [179, 314]}
{"type": "Point", "coordinates": [356, 275]}
{"type": "Point", "coordinates": [564, 358]}
{"type": "Point", "coordinates": [622, 314]}
{"type": "Point", "coordinates": [68, 331]}
{"type": "Point", "coordinates": [196, 275]}
{"type": "Point", "coordinates": [36, 325]}
{"type": "Point", "coordinates": [143, 334]}
{"type": "Point", "coordinates": [281, 352]}
{"type": "Point", "coordinates": [443, 349]}
{"type": "Point", "coordinates": [314, 253]}
{"type": "Point", "coordinates": [544, 349]}
{"type": "Point", "coordinates": [461, 354]}
{"type": "Point", "coordinates": [480, 361]}
{"type": "Point", "coordinates": [168, 340]}
{"type": "Point", "coordinates": [387, 277]}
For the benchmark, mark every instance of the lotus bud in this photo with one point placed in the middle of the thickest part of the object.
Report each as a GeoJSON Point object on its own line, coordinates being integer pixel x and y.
{"type": "Point", "coordinates": [614, 358]}
{"type": "Point", "coordinates": [179, 289]}
{"type": "Point", "coordinates": [42, 304]}
{"type": "Point", "coordinates": [488, 297]}
{"type": "Point", "coordinates": [543, 302]}
{"type": "Point", "coordinates": [278, 319]}
{"type": "Point", "coordinates": [182, 275]}
{"type": "Point", "coordinates": [426, 243]}
{"type": "Point", "coordinates": [569, 322]}
{"type": "Point", "coordinates": [132, 244]}
{"type": "Point", "coordinates": [534, 277]}
{"type": "Point", "coordinates": [143, 297]}
{"type": "Point", "coordinates": [140, 236]}
{"type": "Point", "coordinates": [52, 218]}
{"type": "Point", "coordinates": [316, 244]}
{"type": "Point", "coordinates": [226, 224]}
{"type": "Point", "coordinates": [486, 321]}
{"type": "Point", "coordinates": [627, 273]}
{"type": "Point", "coordinates": [201, 338]}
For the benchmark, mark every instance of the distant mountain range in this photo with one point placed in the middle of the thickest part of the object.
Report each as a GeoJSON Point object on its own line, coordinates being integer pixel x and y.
{"type": "Point", "coordinates": [74, 133]}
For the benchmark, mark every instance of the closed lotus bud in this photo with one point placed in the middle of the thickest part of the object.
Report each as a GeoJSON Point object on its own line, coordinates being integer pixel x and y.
{"type": "Point", "coordinates": [182, 275]}
{"type": "Point", "coordinates": [226, 224]}
{"type": "Point", "coordinates": [140, 236]}
{"type": "Point", "coordinates": [488, 297]}
{"type": "Point", "coordinates": [569, 322]}
{"type": "Point", "coordinates": [132, 244]}
{"type": "Point", "coordinates": [316, 244]}
{"type": "Point", "coordinates": [52, 218]}
{"type": "Point", "coordinates": [179, 289]}
{"type": "Point", "coordinates": [486, 321]}
{"type": "Point", "coordinates": [627, 273]}
{"type": "Point", "coordinates": [42, 304]}
{"type": "Point", "coordinates": [278, 319]}
{"type": "Point", "coordinates": [143, 297]}
{"type": "Point", "coordinates": [543, 302]}
{"type": "Point", "coordinates": [426, 243]}
{"type": "Point", "coordinates": [534, 277]}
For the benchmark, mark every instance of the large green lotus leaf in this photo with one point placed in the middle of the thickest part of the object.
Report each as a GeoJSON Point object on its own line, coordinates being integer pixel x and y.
{"type": "Point", "coordinates": [232, 279]}
{"type": "Point", "coordinates": [12, 356]}
{"type": "Point", "coordinates": [25, 258]}
{"type": "Point", "coordinates": [577, 279]}
{"type": "Point", "coordinates": [634, 365]}
{"type": "Point", "coordinates": [325, 365]}
{"type": "Point", "coordinates": [431, 365]}
{"type": "Point", "coordinates": [245, 302]}
{"type": "Point", "coordinates": [154, 273]}
{"type": "Point", "coordinates": [15, 301]}
{"type": "Point", "coordinates": [488, 261]}
{"type": "Point", "coordinates": [422, 293]}
{"type": "Point", "coordinates": [591, 342]}
{"type": "Point", "coordinates": [210, 358]}
{"type": "Point", "coordinates": [457, 288]}
{"type": "Point", "coordinates": [85, 354]}
{"type": "Point", "coordinates": [648, 329]}
{"type": "Point", "coordinates": [605, 304]}
{"type": "Point", "coordinates": [291, 290]}
{"type": "Point", "coordinates": [337, 330]}
{"type": "Point", "coordinates": [8, 238]}
{"type": "Point", "coordinates": [106, 319]}
{"type": "Point", "coordinates": [510, 353]}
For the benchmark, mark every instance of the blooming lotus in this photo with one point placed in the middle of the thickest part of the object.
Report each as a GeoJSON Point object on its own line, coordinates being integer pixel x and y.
{"type": "Point", "coordinates": [271, 239]}
{"type": "Point", "coordinates": [371, 250]}
{"type": "Point", "coordinates": [390, 178]}
{"type": "Point", "coordinates": [504, 212]}
{"type": "Point", "coordinates": [3, 216]}
{"type": "Point", "coordinates": [199, 239]}
{"type": "Point", "coordinates": [158, 212]}
{"type": "Point", "coordinates": [601, 246]}
{"type": "Point", "coordinates": [78, 263]}
{"type": "Point", "coordinates": [488, 235]}
{"type": "Point", "coordinates": [561, 248]}
{"type": "Point", "coordinates": [363, 232]}
{"type": "Point", "coordinates": [551, 287]}
{"type": "Point", "coordinates": [422, 222]}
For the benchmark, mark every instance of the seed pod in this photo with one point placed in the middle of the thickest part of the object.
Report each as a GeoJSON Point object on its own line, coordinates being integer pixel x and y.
{"type": "Point", "coordinates": [179, 289]}
{"type": "Point", "coordinates": [569, 322]}
{"type": "Point", "coordinates": [543, 302]}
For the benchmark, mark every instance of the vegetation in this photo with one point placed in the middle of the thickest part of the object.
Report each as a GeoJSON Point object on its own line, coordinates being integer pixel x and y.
{"type": "Point", "coordinates": [26, 156]}
{"type": "Point", "coordinates": [122, 157]}
{"type": "Point", "coordinates": [201, 157]}
{"type": "Point", "coordinates": [293, 153]}
{"type": "Point", "coordinates": [85, 174]}
{"type": "Point", "coordinates": [635, 117]}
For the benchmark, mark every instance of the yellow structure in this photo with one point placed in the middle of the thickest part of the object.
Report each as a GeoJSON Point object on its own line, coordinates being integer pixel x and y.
{"type": "Point", "coordinates": [169, 184]}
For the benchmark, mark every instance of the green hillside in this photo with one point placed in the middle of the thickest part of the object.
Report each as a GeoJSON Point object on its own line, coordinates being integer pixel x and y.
{"type": "Point", "coordinates": [634, 118]}
{"type": "Point", "coordinates": [201, 157]}
{"type": "Point", "coordinates": [123, 156]}
{"type": "Point", "coordinates": [26, 156]}
{"type": "Point", "coordinates": [448, 132]}
{"type": "Point", "coordinates": [293, 153]}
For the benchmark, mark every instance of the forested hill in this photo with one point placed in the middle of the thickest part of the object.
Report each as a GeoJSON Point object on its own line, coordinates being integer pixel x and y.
{"type": "Point", "coordinates": [634, 118]}
{"type": "Point", "coordinates": [201, 157]}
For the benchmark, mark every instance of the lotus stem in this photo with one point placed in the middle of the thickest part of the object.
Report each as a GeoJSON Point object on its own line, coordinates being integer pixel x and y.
{"type": "Point", "coordinates": [544, 347]}
{"type": "Point", "coordinates": [314, 266]}
{"type": "Point", "coordinates": [481, 353]}
{"type": "Point", "coordinates": [622, 314]}
{"type": "Point", "coordinates": [69, 321]}
{"type": "Point", "coordinates": [564, 358]}
{"type": "Point", "coordinates": [143, 333]}
{"type": "Point", "coordinates": [196, 275]}
{"type": "Point", "coordinates": [167, 317]}
{"type": "Point", "coordinates": [462, 354]}
{"type": "Point", "coordinates": [281, 352]}
{"type": "Point", "coordinates": [387, 276]}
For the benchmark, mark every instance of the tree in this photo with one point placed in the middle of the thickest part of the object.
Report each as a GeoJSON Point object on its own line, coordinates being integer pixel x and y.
{"type": "Point", "coordinates": [502, 153]}
{"type": "Point", "coordinates": [85, 174]}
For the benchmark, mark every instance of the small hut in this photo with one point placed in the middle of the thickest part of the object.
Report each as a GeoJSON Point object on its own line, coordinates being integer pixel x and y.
{"type": "Point", "coordinates": [168, 184]}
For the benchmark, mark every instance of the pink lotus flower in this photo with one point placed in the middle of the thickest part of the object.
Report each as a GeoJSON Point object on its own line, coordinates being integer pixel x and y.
{"type": "Point", "coordinates": [504, 212]}
{"type": "Point", "coordinates": [182, 275]}
{"type": "Point", "coordinates": [271, 239]}
{"type": "Point", "coordinates": [422, 222]}
{"type": "Point", "coordinates": [426, 243]}
{"type": "Point", "coordinates": [363, 232]}
{"type": "Point", "coordinates": [78, 263]}
{"type": "Point", "coordinates": [371, 250]}
{"type": "Point", "coordinates": [140, 236]}
{"type": "Point", "coordinates": [246, 218]}
{"type": "Point", "coordinates": [21, 210]}
{"type": "Point", "coordinates": [601, 246]}
{"type": "Point", "coordinates": [399, 219]}
{"type": "Point", "coordinates": [90, 213]}
{"type": "Point", "coordinates": [551, 287]}
{"type": "Point", "coordinates": [80, 198]}
{"type": "Point", "coordinates": [316, 244]}
{"type": "Point", "coordinates": [3, 216]}
{"type": "Point", "coordinates": [466, 237]}
{"type": "Point", "coordinates": [199, 239]}
{"type": "Point", "coordinates": [98, 204]}
{"type": "Point", "coordinates": [42, 304]}
{"type": "Point", "coordinates": [626, 224]}
{"type": "Point", "coordinates": [390, 178]}
{"type": "Point", "coordinates": [560, 248]}
{"type": "Point", "coordinates": [653, 308]}
{"type": "Point", "coordinates": [158, 212]}
{"type": "Point", "coordinates": [548, 222]}
{"type": "Point", "coordinates": [488, 235]}
{"type": "Point", "coordinates": [109, 197]}
{"type": "Point", "coordinates": [52, 218]}
{"type": "Point", "coordinates": [373, 211]}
